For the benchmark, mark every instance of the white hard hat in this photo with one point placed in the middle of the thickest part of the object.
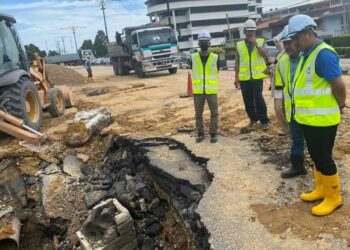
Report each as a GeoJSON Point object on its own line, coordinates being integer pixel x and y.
{"type": "Point", "coordinates": [285, 34]}
{"type": "Point", "coordinates": [299, 23]}
{"type": "Point", "coordinates": [204, 35]}
{"type": "Point", "coordinates": [250, 25]}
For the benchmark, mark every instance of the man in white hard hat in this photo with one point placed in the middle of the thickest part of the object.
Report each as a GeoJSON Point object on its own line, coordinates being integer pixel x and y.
{"type": "Point", "coordinates": [205, 80]}
{"type": "Point", "coordinates": [284, 76]}
{"type": "Point", "coordinates": [250, 70]}
{"type": "Point", "coordinates": [318, 98]}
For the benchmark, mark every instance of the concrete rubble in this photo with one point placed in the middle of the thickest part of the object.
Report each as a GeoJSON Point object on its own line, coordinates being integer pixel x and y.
{"type": "Point", "coordinates": [86, 124]}
{"type": "Point", "coordinates": [121, 205]}
{"type": "Point", "coordinates": [109, 226]}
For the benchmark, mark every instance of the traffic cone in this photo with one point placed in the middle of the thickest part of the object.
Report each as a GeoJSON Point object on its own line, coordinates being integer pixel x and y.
{"type": "Point", "coordinates": [189, 84]}
{"type": "Point", "coordinates": [189, 87]}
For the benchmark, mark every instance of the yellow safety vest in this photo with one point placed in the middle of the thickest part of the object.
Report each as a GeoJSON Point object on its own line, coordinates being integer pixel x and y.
{"type": "Point", "coordinates": [279, 82]}
{"type": "Point", "coordinates": [205, 81]}
{"type": "Point", "coordinates": [251, 66]}
{"type": "Point", "coordinates": [313, 101]}
{"type": "Point", "coordinates": [283, 70]}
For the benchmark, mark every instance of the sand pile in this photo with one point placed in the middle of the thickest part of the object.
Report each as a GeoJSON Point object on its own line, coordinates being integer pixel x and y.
{"type": "Point", "coordinates": [62, 75]}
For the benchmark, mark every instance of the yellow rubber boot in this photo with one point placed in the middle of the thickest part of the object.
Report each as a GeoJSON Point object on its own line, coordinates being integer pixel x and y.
{"type": "Point", "coordinates": [332, 197]}
{"type": "Point", "coordinates": [318, 192]}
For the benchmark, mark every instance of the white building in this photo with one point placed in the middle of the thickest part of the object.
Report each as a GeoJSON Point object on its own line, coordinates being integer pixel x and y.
{"type": "Point", "coordinates": [189, 17]}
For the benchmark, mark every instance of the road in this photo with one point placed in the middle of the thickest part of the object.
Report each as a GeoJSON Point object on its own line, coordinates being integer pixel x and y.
{"type": "Point", "coordinates": [247, 206]}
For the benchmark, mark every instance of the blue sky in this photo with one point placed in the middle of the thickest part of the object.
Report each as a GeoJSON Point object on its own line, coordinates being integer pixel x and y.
{"type": "Point", "coordinates": [40, 21]}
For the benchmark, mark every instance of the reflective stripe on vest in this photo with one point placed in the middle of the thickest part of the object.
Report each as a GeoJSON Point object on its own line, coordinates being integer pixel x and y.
{"type": "Point", "coordinates": [314, 103]}
{"type": "Point", "coordinates": [251, 66]}
{"type": "Point", "coordinates": [205, 82]}
{"type": "Point", "coordinates": [284, 71]}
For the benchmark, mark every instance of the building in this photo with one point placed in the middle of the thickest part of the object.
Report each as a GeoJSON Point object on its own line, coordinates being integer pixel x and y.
{"type": "Point", "coordinates": [189, 17]}
{"type": "Point", "coordinates": [331, 16]}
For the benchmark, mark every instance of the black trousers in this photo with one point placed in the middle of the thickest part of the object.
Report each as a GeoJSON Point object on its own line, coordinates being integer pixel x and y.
{"type": "Point", "coordinates": [254, 101]}
{"type": "Point", "coordinates": [89, 73]}
{"type": "Point", "coordinates": [320, 142]}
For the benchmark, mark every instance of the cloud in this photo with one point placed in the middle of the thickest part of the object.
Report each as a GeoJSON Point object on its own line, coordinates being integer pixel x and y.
{"type": "Point", "coordinates": [41, 22]}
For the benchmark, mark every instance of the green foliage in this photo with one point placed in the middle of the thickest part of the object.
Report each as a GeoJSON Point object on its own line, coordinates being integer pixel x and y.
{"type": "Point", "coordinates": [53, 53]}
{"type": "Point", "coordinates": [341, 41]}
{"type": "Point", "coordinates": [31, 49]}
{"type": "Point", "coordinates": [343, 51]}
{"type": "Point", "coordinates": [217, 50]}
{"type": "Point", "coordinates": [100, 44]}
{"type": "Point", "coordinates": [87, 44]}
{"type": "Point", "coordinates": [230, 52]}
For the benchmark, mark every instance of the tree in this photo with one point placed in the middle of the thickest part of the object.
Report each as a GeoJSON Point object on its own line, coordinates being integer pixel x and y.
{"type": "Point", "coordinates": [31, 49]}
{"type": "Point", "coordinates": [53, 53]}
{"type": "Point", "coordinates": [87, 44]}
{"type": "Point", "coordinates": [100, 44]}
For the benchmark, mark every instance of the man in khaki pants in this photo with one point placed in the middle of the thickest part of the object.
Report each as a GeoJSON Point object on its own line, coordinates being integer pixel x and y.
{"type": "Point", "coordinates": [277, 89]}
{"type": "Point", "coordinates": [205, 80]}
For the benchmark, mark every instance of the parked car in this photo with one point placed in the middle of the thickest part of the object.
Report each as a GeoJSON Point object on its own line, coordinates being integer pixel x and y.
{"type": "Point", "coordinates": [185, 58]}
{"type": "Point", "coordinates": [271, 48]}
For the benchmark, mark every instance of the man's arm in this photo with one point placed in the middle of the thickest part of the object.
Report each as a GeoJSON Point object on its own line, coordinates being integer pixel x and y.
{"type": "Point", "coordinates": [327, 66]}
{"type": "Point", "coordinates": [237, 83]}
{"type": "Point", "coordinates": [339, 91]}
{"type": "Point", "coordinates": [262, 51]}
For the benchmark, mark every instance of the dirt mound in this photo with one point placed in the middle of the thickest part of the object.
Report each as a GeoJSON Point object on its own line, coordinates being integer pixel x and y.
{"type": "Point", "coordinates": [62, 75]}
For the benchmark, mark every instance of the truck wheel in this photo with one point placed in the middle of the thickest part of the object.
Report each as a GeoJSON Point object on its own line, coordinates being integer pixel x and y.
{"type": "Point", "coordinates": [115, 68]}
{"type": "Point", "coordinates": [22, 100]}
{"type": "Point", "coordinates": [57, 102]}
{"type": "Point", "coordinates": [173, 70]}
{"type": "Point", "coordinates": [122, 69]}
{"type": "Point", "coordinates": [139, 72]}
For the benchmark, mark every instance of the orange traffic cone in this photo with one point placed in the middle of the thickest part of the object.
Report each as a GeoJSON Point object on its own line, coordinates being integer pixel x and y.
{"type": "Point", "coordinates": [189, 84]}
{"type": "Point", "coordinates": [189, 87]}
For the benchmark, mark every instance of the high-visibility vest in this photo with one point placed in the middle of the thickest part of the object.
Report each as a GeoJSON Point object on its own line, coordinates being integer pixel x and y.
{"type": "Point", "coordinates": [313, 101]}
{"type": "Point", "coordinates": [205, 81]}
{"type": "Point", "coordinates": [251, 66]}
{"type": "Point", "coordinates": [283, 70]}
{"type": "Point", "coordinates": [279, 82]}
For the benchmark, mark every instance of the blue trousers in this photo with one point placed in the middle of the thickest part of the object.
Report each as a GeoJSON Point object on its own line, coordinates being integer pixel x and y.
{"type": "Point", "coordinates": [297, 135]}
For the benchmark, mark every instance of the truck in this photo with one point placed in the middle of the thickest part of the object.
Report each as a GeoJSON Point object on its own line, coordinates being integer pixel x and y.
{"type": "Point", "coordinates": [147, 48]}
{"type": "Point", "coordinates": [84, 53]}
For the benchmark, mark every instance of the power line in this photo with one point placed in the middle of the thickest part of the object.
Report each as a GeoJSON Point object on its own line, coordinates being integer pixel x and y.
{"type": "Point", "coordinates": [74, 28]}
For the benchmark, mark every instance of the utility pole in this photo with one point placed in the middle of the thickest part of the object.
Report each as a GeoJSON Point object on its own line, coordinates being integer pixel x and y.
{"type": "Point", "coordinates": [344, 16]}
{"type": "Point", "coordinates": [104, 17]}
{"type": "Point", "coordinates": [347, 16]}
{"type": "Point", "coordinates": [228, 28]}
{"type": "Point", "coordinates": [47, 48]}
{"type": "Point", "coordinates": [64, 45]}
{"type": "Point", "coordinates": [58, 46]}
{"type": "Point", "coordinates": [74, 28]}
{"type": "Point", "coordinates": [168, 12]}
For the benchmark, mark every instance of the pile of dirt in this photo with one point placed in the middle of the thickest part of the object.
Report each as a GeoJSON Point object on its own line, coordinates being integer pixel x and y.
{"type": "Point", "coordinates": [62, 75]}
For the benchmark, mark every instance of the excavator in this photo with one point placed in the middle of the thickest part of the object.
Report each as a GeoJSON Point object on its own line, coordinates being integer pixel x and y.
{"type": "Point", "coordinates": [25, 91]}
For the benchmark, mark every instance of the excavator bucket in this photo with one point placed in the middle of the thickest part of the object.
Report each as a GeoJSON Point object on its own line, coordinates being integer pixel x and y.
{"type": "Point", "coordinates": [16, 127]}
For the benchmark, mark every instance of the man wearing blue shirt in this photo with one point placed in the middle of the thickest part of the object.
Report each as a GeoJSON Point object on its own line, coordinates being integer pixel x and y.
{"type": "Point", "coordinates": [318, 98]}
